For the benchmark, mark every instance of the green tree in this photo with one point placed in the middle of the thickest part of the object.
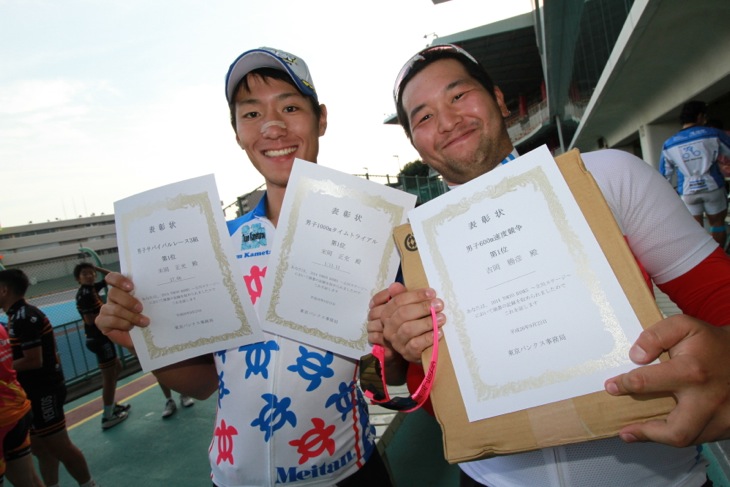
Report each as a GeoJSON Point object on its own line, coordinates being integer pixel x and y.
{"type": "Point", "coordinates": [414, 168]}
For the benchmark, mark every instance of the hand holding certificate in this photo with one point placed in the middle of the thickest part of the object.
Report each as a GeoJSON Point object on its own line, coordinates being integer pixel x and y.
{"type": "Point", "coordinates": [533, 320]}
{"type": "Point", "coordinates": [173, 244]}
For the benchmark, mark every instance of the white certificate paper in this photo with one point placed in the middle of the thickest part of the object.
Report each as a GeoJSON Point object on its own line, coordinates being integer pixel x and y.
{"type": "Point", "coordinates": [174, 245]}
{"type": "Point", "coordinates": [332, 251]}
{"type": "Point", "coordinates": [535, 313]}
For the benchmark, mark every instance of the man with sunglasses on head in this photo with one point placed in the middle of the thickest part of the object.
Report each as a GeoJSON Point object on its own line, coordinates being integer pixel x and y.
{"type": "Point", "coordinates": [454, 116]}
{"type": "Point", "coordinates": [288, 413]}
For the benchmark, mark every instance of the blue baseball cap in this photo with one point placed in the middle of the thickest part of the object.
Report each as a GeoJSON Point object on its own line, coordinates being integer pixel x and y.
{"type": "Point", "coordinates": [268, 57]}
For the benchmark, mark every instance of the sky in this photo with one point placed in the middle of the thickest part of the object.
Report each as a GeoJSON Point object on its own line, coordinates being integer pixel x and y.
{"type": "Point", "coordinates": [101, 100]}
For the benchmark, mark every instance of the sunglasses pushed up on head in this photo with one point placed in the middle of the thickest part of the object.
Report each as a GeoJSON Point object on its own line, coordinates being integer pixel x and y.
{"type": "Point", "coordinates": [421, 56]}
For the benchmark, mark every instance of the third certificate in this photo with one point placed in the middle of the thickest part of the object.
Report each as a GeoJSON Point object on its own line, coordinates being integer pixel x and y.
{"type": "Point", "coordinates": [534, 311]}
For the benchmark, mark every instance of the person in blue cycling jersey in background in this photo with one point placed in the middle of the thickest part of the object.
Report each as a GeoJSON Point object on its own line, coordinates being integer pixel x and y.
{"type": "Point", "coordinates": [692, 155]}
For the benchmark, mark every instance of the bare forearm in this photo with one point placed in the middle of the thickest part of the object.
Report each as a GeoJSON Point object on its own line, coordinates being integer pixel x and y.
{"type": "Point", "coordinates": [196, 377]}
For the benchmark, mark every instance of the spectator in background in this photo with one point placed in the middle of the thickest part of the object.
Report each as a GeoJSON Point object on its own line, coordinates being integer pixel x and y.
{"type": "Point", "coordinates": [15, 418]}
{"type": "Point", "coordinates": [36, 361]}
{"type": "Point", "coordinates": [88, 304]}
{"type": "Point", "coordinates": [692, 153]}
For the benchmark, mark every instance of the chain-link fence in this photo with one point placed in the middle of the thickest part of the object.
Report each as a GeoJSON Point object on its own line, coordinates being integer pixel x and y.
{"type": "Point", "coordinates": [424, 187]}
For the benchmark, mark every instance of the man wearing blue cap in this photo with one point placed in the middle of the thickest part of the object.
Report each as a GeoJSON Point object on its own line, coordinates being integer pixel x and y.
{"type": "Point", "coordinates": [277, 423]}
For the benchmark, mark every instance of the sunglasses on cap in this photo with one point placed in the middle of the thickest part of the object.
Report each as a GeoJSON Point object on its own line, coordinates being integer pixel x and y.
{"type": "Point", "coordinates": [420, 56]}
{"type": "Point", "coordinates": [373, 384]}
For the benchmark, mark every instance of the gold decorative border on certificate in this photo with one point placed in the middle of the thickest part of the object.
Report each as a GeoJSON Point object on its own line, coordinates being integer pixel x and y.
{"type": "Point", "coordinates": [306, 187]}
{"type": "Point", "coordinates": [538, 180]}
{"type": "Point", "coordinates": [201, 201]}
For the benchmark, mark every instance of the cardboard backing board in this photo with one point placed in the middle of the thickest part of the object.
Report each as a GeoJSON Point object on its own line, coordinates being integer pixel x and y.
{"type": "Point", "coordinates": [589, 417]}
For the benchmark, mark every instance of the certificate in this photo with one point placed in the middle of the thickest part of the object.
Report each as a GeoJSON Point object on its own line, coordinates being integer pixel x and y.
{"type": "Point", "coordinates": [174, 245]}
{"type": "Point", "coordinates": [535, 312]}
{"type": "Point", "coordinates": [332, 251]}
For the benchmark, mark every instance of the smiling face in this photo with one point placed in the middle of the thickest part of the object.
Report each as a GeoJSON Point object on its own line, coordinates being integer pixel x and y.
{"type": "Point", "coordinates": [456, 126]}
{"type": "Point", "coordinates": [275, 123]}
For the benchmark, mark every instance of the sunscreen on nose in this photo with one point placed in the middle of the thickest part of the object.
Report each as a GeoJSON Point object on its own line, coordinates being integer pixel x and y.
{"type": "Point", "coordinates": [272, 123]}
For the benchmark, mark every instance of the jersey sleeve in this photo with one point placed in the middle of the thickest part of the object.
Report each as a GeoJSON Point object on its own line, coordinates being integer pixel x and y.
{"type": "Point", "coordinates": [659, 229]}
{"type": "Point", "coordinates": [724, 138]}
{"type": "Point", "coordinates": [28, 332]}
{"type": "Point", "coordinates": [703, 291]}
{"type": "Point", "coordinates": [666, 168]}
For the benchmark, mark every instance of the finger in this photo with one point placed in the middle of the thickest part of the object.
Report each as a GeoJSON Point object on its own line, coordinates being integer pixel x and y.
{"type": "Point", "coordinates": [410, 305]}
{"type": "Point", "coordinates": [683, 426]}
{"type": "Point", "coordinates": [396, 288]}
{"type": "Point", "coordinates": [124, 299]}
{"type": "Point", "coordinates": [117, 280]}
{"type": "Point", "coordinates": [412, 319]}
{"type": "Point", "coordinates": [424, 295]}
{"type": "Point", "coordinates": [655, 378]}
{"type": "Point", "coordinates": [660, 337]}
{"type": "Point", "coordinates": [416, 343]}
{"type": "Point", "coordinates": [115, 317]}
{"type": "Point", "coordinates": [379, 298]}
{"type": "Point", "coordinates": [385, 295]}
{"type": "Point", "coordinates": [375, 332]}
{"type": "Point", "coordinates": [376, 339]}
{"type": "Point", "coordinates": [374, 326]}
{"type": "Point", "coordinates": [375, 313]}
{"type": "Point", "coordinates": [416, 346]}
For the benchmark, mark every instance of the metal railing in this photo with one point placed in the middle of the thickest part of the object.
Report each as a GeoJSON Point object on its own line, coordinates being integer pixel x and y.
{"type": "Point", "coordinates": [78, 363]}
{"type": "Point", "coordinates": [424, 187]}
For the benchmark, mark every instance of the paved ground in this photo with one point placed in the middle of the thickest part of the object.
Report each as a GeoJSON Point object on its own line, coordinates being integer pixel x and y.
{"type": "Point", "coordinates": [146, 450]}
